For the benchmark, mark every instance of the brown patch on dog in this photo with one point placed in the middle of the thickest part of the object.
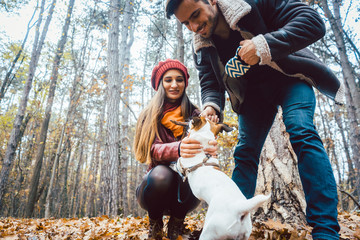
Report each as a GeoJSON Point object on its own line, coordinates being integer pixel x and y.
{"type": "Point", "coordinates": [218, 127]}
{"type": "Point", "coordinates": [198, 122]}
{"type": "Point", "coordinates": [217, 168]}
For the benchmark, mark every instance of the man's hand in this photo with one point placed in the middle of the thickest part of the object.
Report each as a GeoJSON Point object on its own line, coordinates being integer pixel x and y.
{"type": "Point", "coordinates": [210, 113]}
{"type": "Point", "coordinates": [247, 53]}
{"type": "Point", "coordinates": [190, 147]}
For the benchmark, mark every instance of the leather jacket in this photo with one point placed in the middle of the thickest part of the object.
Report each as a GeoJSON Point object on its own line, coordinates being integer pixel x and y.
{"type": "Point", "coordinates": [280, 30]}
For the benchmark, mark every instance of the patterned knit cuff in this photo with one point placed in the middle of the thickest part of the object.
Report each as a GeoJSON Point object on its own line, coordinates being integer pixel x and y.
{"type": "Point", "coordinates": [213, 105]}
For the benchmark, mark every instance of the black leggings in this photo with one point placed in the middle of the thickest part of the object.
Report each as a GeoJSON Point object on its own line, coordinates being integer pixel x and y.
{"type": "Point", "coordinates": [162, 191]}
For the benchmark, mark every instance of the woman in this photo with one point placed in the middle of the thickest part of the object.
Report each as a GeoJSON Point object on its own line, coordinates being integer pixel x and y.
{"type": "Point", "coordinates": [158, 142]}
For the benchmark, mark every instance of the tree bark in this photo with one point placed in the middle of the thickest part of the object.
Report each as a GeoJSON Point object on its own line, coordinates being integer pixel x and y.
{"type": "Point", "coordinates": [278, 175]}
{"type": "Point", "coordinates": [45, 125]}
{"type": "Point", "coordinates": [110, 184]}
{"type": "Point", "coordinates": [181, 44]}
{"type": "Point", "coordinates": [90, 206]}
{"type": "Point", "coordinates": [15, 198]}
{"type": "Point", "coordinates": [351, 171]}
{"type": "Point", "coordinates": [64, 208]}
{"type": "Point", "coordinates": [75, 193]}
{"type": "Point", "coordinates": [329, 143]}
{"type": "Point", "coordinates": [127, 40]}
{"type": "Point", "coordinates": [48, 199]}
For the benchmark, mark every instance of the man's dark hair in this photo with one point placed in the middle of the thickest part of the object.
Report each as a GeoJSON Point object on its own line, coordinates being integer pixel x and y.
{"type": "Point", "coordinates": [172, 5]}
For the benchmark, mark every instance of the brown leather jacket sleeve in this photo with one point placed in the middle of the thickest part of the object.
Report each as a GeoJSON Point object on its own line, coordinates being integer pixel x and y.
{"type": "Point", "coordinates": [165, 149]}
{"type": "Point", "coordinates": [165, 152]}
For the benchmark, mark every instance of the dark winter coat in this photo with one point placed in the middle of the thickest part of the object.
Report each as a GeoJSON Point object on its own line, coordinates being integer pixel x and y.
{"type": "Point", "coordinates": [281, 30]}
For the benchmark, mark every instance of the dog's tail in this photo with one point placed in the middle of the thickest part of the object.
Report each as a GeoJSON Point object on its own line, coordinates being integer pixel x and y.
{"type": "Point", "coordinates": [247, 206]}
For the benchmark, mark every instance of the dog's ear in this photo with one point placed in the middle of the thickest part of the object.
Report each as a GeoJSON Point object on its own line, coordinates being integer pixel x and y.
{"type": "Point", "coordinates": [219, 127]}
{"type": "Point", "coordinates": [197, 123]}
{"type": "Point", "coordinates": [180, 123]}
{"type": "Point", "coordinates": [225, 127]}
{"type": "Point", "coordinates": [196, 120]}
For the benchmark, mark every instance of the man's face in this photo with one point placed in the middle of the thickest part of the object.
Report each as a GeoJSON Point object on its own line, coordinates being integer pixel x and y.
{"type": "Point", "coordinates": [198, 17]}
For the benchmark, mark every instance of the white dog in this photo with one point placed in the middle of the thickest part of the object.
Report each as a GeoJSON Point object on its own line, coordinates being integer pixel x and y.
{"type": "Point", "coordinates": [228, 215]}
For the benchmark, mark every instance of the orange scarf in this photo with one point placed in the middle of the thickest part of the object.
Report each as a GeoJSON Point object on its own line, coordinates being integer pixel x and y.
{"type": "Point", "coordinates": [173, 115]}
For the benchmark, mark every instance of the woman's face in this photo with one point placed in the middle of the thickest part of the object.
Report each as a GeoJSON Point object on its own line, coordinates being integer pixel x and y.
{"type": "Point", "coordinates": [174, 84]}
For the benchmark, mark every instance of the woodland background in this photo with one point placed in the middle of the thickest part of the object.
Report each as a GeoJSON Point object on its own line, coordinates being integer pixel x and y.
{"type": "Point", "coordinates": [72, 87]}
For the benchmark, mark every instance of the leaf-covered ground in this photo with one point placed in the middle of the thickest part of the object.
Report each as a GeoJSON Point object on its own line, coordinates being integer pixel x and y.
{"type": "Point", "coordinates": [136, 228]}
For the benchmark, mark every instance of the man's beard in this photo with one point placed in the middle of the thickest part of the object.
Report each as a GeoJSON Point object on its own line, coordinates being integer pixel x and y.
{"type": "Point", "coordinates": [214, 22]}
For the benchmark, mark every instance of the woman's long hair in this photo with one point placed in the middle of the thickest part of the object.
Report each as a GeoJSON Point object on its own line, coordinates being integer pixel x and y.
{"type": "Point", "coordinates": [147, 125]}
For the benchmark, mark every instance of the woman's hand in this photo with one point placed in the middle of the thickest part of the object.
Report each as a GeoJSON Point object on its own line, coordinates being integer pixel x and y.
{"type": "Point", "coordinates": [213, 149]}
{"type": "Point", "coordinates": [190, 147]}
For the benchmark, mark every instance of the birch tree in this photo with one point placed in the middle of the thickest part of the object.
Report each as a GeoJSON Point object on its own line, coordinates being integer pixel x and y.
{"type": "Point", "coordinates": [15, 133]}
{"type": "Point", "coordinates": [351, 88]}
{"type": "Point", "coordinates": [180, 47]}
{"type": "Point", "coordinates": [127, 40]}
{"type": "Point", "coordinates": [278, 175]}
{"type": "Point", "coordinates": [110, 191]}
{"type": "Point", "coordinates": [45, 124]}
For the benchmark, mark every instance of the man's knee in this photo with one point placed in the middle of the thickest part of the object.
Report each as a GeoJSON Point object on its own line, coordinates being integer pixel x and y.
{"type": "Point", "coordinates": [246, 151]}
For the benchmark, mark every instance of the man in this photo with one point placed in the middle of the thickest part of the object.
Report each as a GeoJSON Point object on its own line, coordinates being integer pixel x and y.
{"type": "Point", "coordinates": [273, 35]}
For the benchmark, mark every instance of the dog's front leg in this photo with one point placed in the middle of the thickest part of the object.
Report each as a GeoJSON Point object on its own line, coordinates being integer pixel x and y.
{"type": "Point", "coordinates": [210, 226]}
{"type": "Point", "coordinates": [208, 233]}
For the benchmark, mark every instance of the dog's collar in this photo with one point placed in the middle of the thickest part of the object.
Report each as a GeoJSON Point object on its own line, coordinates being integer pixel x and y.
{"type": "Point", "coordinates": [186, 171]}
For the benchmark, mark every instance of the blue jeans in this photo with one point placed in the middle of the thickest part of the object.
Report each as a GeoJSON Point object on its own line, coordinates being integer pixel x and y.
{"type": "Point", "coordinates": [297, 99]}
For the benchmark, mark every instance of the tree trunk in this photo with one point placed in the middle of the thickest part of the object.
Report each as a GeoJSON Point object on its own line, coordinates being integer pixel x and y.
{"type": "Point", "coordinates": [64, 208]}
{"type": "Point", "coordinates": [278, 175]}
{"type": "Point", "coordinates": [329, 143]}
{"type": "Point", "coordinates": [45, 125]}
{"type": "Point", "coordinates": [90, 206]}
{"type": "Point", "coordinates": [15, 133]}
{"type": "Point", "coordinates": [349, 78]}
{"type": "Point", "coordinates": [14, 210]}
{"type": "Point", "coordinates": [181, 46]}
{"type": "Point", "coordinates": [98, 161]}
{"type": "Point", "coordinates": [79, 65]}
{"type": "Point", "coordinates": [351, 171]}
{"type": "Point", "coordinates": [127, 40]}
{"type": "Point", "coordinates": [48, 199]}
{"type": "Point", "coordinates": [352, 90]}
{"type": "Point", "coordinates": [75, 193]}
{"type": "Point", "coordinates": [101, 189]}
{"type": "Point", "coordinates": [111, 164]}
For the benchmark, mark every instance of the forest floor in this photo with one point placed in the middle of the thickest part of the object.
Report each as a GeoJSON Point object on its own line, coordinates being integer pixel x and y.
{"type": "Point", "coordinates": [136, 228]}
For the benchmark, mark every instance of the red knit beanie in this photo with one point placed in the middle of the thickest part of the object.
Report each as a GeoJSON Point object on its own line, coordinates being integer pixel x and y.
{"type": "Point", "coordinates": [164, 66]}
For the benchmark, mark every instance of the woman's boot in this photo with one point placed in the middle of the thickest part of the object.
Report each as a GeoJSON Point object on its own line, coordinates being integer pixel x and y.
{"type": "Point", "coordinates": [156, 229]}
{"type": "Point", "coordinates": [176, 227]}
